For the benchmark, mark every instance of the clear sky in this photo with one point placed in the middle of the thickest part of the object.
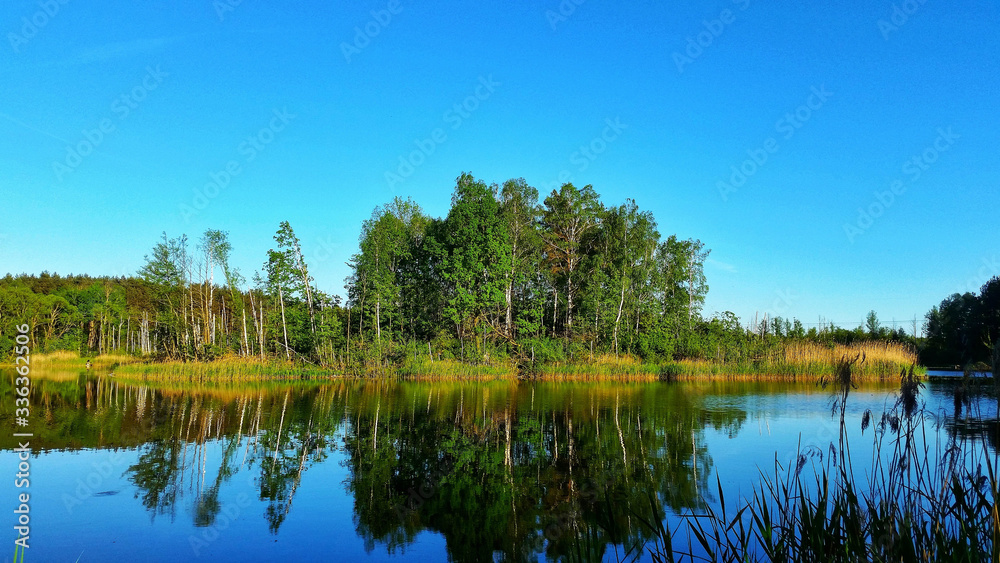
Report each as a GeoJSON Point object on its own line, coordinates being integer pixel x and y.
{"type": "Point", "coordinates": [834, 158]}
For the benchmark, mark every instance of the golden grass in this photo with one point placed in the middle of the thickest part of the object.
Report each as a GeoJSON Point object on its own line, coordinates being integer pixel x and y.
{"type": "Point", "coordinates": [425, 370]}
{"type": "Point", "coordinates": [65, 360]}
{"type": "Point", "coordinates": [808, 361]}
{"type": "Point", "coordinates": [227, 368]}
{"type": "Point", "coordinates": [603, 367]}
{"type": "Point", "coordinates": [877, 361]}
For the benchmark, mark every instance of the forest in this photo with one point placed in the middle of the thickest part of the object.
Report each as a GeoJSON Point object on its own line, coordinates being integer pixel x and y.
{"type": "Point", "coordinates": [505, 278]}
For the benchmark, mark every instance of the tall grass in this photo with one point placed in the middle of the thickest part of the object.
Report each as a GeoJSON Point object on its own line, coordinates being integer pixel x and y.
{"type": "Point", "coordinates": [423, 368]}
{"type": "Point", "coordinates": [916, 501]}
{"type": "Point", "coordinates": [228, 368]}
{"type": "Point", "coordinates": [66, 360]}
{"type": "Point", "coordinates": [877, 361]}
{"type": "Point", "coordinates": [604, 366]}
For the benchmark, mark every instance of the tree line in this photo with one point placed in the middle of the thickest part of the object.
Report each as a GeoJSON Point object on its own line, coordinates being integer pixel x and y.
{"type": "Point", "coordinates": [505, 275]}
{"type": "Point", "coordinates": [964, 329]}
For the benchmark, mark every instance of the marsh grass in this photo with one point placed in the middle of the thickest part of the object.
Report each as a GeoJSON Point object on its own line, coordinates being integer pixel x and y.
{"type": "Point", "coordinates": [225, 369]}
{"type": "Point", "coordinates": [71, 360]}
{"type": "Point", "coordinates": [809, 361]}
{"type": "Point", "coordinates": [877, 361]}
{"type": "Point", "coordinates": [67, 365]}
{"type": "Point", "coordinates": [424, 369]}
{"type": "Point", "coordinates": [918, 500]}
{"type": "Point", "coordinates": [604, 366]}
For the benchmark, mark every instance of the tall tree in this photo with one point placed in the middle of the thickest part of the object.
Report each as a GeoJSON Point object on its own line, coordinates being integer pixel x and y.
{"type": "Point", "coordinates": [521, 214]}
{"type": "Point", "coordinates": [569, 215]}
{"type": "Point", "coordinates": [288, 243]}
{"type": "Point", "coordinates": [631, 238]}
{"type": "Point", "coordinates": [280, 275]}
{"type": "Point", "coordinates": [165, 269]}
{"type": "Point", "coordinates": [383, 245]}
{"type": "Point", "coordinates": [477, 257]}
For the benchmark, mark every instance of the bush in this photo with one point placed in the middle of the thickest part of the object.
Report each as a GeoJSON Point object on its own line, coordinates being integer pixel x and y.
{"type": "Point", "coordinates": [670, 371]}
{"type": "Point", "coordinates": [543, 350]}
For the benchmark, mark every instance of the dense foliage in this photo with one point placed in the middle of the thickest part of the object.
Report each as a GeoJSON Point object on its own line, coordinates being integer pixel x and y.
{"type": "Point", "coordinates": [505, 276]}
{"type": "Point", "coordinates": [964, 329]}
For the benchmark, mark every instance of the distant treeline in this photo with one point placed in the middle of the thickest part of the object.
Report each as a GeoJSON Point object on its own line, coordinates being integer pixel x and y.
{"type": "Point", "coordinates": [964, 329]}
{"type": "Point", "coordinates": [503, 277]}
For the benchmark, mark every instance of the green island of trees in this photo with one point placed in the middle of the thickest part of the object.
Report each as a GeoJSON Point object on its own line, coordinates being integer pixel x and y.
{"type": "Point", "coordinates": [506, 284]}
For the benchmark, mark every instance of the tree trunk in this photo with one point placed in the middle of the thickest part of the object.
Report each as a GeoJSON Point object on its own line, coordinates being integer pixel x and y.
{"type": "Point", "coordinates": [621, 303]}
{"type": "Point", "coordinates": [284, 326]}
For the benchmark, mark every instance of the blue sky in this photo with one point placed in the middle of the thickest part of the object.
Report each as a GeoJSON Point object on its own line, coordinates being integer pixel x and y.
{"type": "Point", "coordinates": [835, 159]}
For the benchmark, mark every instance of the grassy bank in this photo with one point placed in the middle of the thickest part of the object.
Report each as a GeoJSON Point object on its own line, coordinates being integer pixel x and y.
{"type": "Point", "coordinates": [602, 367]}
{"type": "Point", "coordinates": [797, 361]}
{"type": "Point", "coordinates": [425, 369]}
{"type": "Point", "coordinates": [71, 361]}
{"type": "Point", "coordinates": [223, 369]}
{"type": "Point", "coordinates": [874, 361]}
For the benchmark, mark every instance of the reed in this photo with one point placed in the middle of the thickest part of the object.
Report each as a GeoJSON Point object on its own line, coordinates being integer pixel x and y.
{"type": "Point", "coordinates": [65, 361]}
{"type": "Point", "coordinates": [227, 369]}
{"type": "Point", "coordinates": [919, 500]}
{"type": "Point", "coordinates": [877, 361]}
{"type": "Point", "coordinates": [424, 369]}
{"type": "Point", "coordinates": [603, 367]}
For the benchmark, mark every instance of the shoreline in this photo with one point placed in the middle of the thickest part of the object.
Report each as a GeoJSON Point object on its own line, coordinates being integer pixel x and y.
{"type": "Point", "coordinates": [624, 369]}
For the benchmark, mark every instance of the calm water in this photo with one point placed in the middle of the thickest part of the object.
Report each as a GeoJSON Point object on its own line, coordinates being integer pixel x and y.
{"type": "Point", "coordinates": [350, 471]}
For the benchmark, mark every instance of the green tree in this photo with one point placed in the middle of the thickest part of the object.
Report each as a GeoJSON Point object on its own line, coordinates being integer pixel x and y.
{"type": "Point", "coordinates": [279, 281]}
{"type": "Point", "coordinates": [569, 215]}
{"type": "Point", "coordinates": [872, 324]}
{"type": "Point", "coordinates": [521, 213]}
{"type": "Point", "coordinates": [166, 270]}
{"type": "Point", "coordinates": [288, 243]}
{"type": "Point", "coordinates": [475, 258]}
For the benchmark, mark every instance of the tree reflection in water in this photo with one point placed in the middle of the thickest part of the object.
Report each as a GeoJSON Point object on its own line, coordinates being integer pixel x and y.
{"type": "Point", "coordinates": [518, 469]}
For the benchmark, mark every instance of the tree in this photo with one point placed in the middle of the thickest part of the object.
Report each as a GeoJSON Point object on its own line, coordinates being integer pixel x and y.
{"type": "Point", "coordinates": [630, 238]}
{"type": "Point", "coordinates": [519, 205]}
{"type": "Point", "coordinates": [385, 243]}
{"type": "Point", "coordinates": [166, 270]}
{"type": "Point", "coordinates": [872, 324]}
{"type": "Point", "coordinates": [280, 274]}
{"type": "Point", "coordinates": [569, 215]}
{"type": "Point", "coordinates": [681, 281]}
{"type": "Point", "coordinates": [951, 331]}
{"type": "Point", "coordinates": [475, 257]}
{"type": "Point", "coordinates": [289, 244]}
{"type": "Point", "coordinates": [215, 247]}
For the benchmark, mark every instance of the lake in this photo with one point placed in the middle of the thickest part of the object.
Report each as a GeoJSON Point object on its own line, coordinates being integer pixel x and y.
{"type": "Point", "coordinates": [351, 470]}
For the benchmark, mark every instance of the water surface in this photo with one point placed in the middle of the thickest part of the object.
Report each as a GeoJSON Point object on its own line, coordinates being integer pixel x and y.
{"type": "Point", "coordinates": [374, 471]}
